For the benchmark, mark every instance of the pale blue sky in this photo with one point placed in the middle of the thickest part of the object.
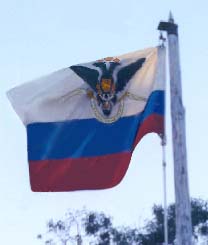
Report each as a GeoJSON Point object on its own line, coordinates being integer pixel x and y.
{"type": "Point", "coordinates": [38, 37]}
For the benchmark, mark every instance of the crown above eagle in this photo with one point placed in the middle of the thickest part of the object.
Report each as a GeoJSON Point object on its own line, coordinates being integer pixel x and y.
{"type": "Point", "coordinates": [109, 59]}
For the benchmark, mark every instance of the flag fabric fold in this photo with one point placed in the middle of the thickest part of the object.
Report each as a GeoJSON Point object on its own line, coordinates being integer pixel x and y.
{"type": "Point", "coordinates": [83, 122]}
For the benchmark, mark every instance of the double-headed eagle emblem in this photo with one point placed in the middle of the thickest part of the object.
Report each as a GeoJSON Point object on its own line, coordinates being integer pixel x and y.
{"type": "Point", "coordinates": [106, 81]}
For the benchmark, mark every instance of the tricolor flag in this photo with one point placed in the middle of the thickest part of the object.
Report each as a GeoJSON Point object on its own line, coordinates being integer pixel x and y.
{"type": "Point", "coordinates": [83, 122]}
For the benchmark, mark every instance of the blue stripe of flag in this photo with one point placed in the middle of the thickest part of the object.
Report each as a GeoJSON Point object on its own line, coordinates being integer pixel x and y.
{"type": "Point", "coordinates": [88, 137]}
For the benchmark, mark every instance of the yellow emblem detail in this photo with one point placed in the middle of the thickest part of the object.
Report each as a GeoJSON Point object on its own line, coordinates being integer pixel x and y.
{"type": "Point", "coordinates": [106, 85]}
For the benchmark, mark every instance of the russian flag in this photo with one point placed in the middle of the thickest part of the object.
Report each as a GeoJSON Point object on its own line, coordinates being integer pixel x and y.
{"type": "Point", "coordinates": [83, 122]}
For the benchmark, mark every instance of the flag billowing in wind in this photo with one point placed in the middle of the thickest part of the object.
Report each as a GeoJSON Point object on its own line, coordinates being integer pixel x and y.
{"type": "Point", "coordinates": [83, 122]}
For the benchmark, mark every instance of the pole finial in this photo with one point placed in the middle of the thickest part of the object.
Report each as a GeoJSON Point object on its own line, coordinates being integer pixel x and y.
{"type": "Point", "coordinates": [171, 19]}
{"type": "Point", "coordinates": [170, 27]}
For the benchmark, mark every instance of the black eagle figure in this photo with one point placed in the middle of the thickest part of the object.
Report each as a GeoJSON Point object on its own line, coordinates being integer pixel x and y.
{"type": "Point", "coordinates": [105, 87]}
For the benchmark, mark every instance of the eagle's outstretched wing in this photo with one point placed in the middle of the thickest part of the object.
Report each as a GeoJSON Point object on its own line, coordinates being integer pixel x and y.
{"type": "Point", "coordinates": [126, 73]}
{"type": "Point", "coordinates": [89, 75]}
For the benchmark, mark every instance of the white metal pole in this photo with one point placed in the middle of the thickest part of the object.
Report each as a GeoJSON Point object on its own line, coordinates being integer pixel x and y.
{"type": "Point", "coordinates": [182, 198]}
{"type": "Point", "coordinates": [163, 143]}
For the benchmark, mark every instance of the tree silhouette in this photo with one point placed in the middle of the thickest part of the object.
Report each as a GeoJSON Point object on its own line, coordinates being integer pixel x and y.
{"type": "Point", "coordinates": [155, 228]}
{"type": "Point", "coordinates": [66, 231]}
{"type": "Point", "coordinates": [89, 227]}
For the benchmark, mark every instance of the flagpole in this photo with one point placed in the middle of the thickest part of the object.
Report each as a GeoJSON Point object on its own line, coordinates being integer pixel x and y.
{"type": "Point", "coordinates": [163, 143]}
{"type": "Point", "coordinates": [182, 198]}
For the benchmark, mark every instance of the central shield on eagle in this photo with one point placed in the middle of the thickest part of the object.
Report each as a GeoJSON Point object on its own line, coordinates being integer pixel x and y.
{"type": "Point", "coordinates": [106, 79]}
